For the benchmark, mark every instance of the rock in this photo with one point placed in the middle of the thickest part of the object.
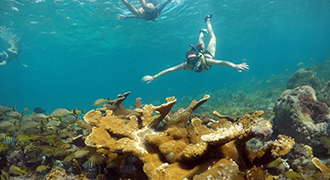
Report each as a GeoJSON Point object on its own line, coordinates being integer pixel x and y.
{"type": "Point", "coordinates": [298, 114]}
{"type": "Point", "coordinates": [304, 77]}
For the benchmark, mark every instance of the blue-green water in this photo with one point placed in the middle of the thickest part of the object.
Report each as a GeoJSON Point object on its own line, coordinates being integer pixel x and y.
{"type": "Point", "coordinates": [77, 51]}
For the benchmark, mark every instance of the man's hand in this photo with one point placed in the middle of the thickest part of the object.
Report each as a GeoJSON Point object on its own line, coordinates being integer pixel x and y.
{"type": "Point", "coordinates": [148, 79]}
{"type": "Point", "coordinates": [242, 67]}
{"type": "Point", "coordinates": [121, 17]}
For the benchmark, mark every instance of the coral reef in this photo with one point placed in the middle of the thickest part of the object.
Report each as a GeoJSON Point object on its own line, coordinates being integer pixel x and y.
{"type": "Point", "coordinates": [298, 114]}
{"type": "Point", "coordinates": [324, 94]}
{"type": "Point", "coordinates": [179, 145]}
{"type": "Point", "coordinates": [304, 77]}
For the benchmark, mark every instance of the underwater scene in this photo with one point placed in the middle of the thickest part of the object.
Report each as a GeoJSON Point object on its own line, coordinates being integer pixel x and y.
{"type": "Point", "coordinates": [164, 89]}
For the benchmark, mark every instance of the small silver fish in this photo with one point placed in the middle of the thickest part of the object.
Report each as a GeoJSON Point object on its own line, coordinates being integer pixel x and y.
{"type": "Point", "coordinates": [61, 113]}
{"type": "Point", "coordinates": [100, 101]}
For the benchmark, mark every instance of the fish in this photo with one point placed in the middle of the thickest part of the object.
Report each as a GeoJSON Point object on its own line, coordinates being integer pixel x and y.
{"type": "Point", "coordinates": [68, 158]}
{"type": "Point", "coordinates": [77, 111]}
{"type": "Point", "coordinates": [100, 101]}
{"type": "Point", "coordinates": [129, 168]}
{"type": "Point", "coordinates": [16, 170]}
{"type": "Point", "coordinates": [40, 117]}
{"type": "Point", "coordinates": [6, 124]}
{"type": "Point", "coordinates": [326, 142]}
{"type": "Point", "coordinates": [26, 109]}
{"type": "Point", "coordinates": [53, 123]}
{"type": "Point", "coordinates": [4, 109]}
{"type": "Point", "coordinates": [80, 153]}
{"type": "Point", "coordinates": [12, 129]}
{"type": "Point", "coordinates": [61, 113]}
{"type": "Point", "coordinates": [32, 131]}
{"type": "Point", "coordinates": [47, 151]}
{"type": "Point", "coordinates": [53, 140]}
{"type": "Point", "coordinates": [290, 174]}
{"type": "Point", "coordinates": [89, 165]}
{"type": "Point", "coordinates": [277, 162]}
{"type": "Point", "coordinates": [64, 133]}
{"type": "Point", "coordinates": [2, 135]}
{"type": "Point", "coordinates": [14, 114]}
{"type": "Point", "coordinates": [41, 168]}
{"type": "Point", "coordinates": [130, 160]}
{"type": "Point", "coordinates": [70, 119]}
{"type": "Point", "coordinates": [299, 64]}
{"type": "Point", "coordinates": [3, 147]}
{"type": "Point", "coordinates": [171, 154]}
{"type": "Point", "coordinates": [29, 124]}
{"type": "Point", "coordinates": [96, 158]}
{"type": "Point", "coordinates": [115, 162]}
{"type": "Point", "coordinates": [27, 117]}
{"type": "Point", "coordinates": [24, 138]}
{"type": "Point", "coordinates": [39, 110]}
{"type": "Point", "coordinates": [9, 140]}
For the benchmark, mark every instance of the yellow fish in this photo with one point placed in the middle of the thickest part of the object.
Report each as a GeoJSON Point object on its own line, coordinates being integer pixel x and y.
{"type": "Point", "coordinates": [16, 170]}
{"type": "Point", "coordinates": [47, 151]}
{"type": "Point", "coordinates": [42, 168]}
{"type": "Point", "coordinates": [292, 174]}
{"type": "Point", "coordinates": [24, 138]}
{"type": "Point", "coordinates": [68, 158]}
{"type": "Point", "coordinates": [326, 142]}
{"type": "Point", "coordinates": [277, 162]}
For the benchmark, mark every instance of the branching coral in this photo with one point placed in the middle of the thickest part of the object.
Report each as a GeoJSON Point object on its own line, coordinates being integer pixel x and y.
{"type": "Point", "coordinates": [183, 147]}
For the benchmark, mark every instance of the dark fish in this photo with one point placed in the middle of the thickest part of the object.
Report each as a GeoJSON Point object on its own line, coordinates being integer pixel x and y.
{"type": "Point", "coordinates": [39, 110]}
{"type": "Point", "coordinates": [129, 169]}
{"type": "Point", "coordinates": [8, 140]}
{"type": "Point", "coordinates": [89, 165]}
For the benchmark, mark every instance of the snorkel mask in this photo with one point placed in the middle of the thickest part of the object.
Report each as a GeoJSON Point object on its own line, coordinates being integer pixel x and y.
{"type": "Point", "coordinates": [192, 60]}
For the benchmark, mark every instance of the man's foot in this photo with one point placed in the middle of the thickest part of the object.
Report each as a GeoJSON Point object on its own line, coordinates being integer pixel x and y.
{"type": "Point", "coordinates": [204, 31]}
{"type": "Point", "coordinates": [209, 16]}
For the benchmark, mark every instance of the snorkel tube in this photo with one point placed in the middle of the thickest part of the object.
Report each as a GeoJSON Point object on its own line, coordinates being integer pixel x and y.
{"type": "Point", "coordinates": [195, 49]}
{"type": "Point", "coordinates": [196, 68]}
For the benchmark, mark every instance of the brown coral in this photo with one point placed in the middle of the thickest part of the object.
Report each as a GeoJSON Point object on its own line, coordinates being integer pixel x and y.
{"type": "Point", "coordinates": [183, 147]}
{"type": "Point", "coordinates": [324, 169]}
{"type": "Point", "coordinates": [316, 109]}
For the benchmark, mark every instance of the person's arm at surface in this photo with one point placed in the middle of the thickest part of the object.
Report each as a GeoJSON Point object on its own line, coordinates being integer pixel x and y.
{"type": "Point", "coordinates": [163, 5]}
{"type": "Point", "coordinates": [122, 17]}
{"type": "Point", "coordinates": [238, 67]}
{"type": "Point", "coordinates": [149, 78]}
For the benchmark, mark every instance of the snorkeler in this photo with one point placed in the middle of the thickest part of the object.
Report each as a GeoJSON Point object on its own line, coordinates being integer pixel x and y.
{"type": "Point", "coordinates": [10, 54]}
{"type": "Point", "coordinates": [199, 60]}
{"type": "Point", "coordinates": [148, 11]}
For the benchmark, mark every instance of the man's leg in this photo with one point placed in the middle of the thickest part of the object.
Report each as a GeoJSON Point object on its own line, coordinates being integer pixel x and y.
{"type": "Point", "coordinates": [131, 8]}
{"type": "Point", "coordinates": [147, 6]}
{"type": "Point", "coordinates": [201, 38]}
{"type": "Point", "coordinates": [212, 44]}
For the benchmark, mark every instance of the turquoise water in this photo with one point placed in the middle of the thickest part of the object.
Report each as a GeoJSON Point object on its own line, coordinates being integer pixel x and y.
{"type": "Point", "coordinates": [77, 51]}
